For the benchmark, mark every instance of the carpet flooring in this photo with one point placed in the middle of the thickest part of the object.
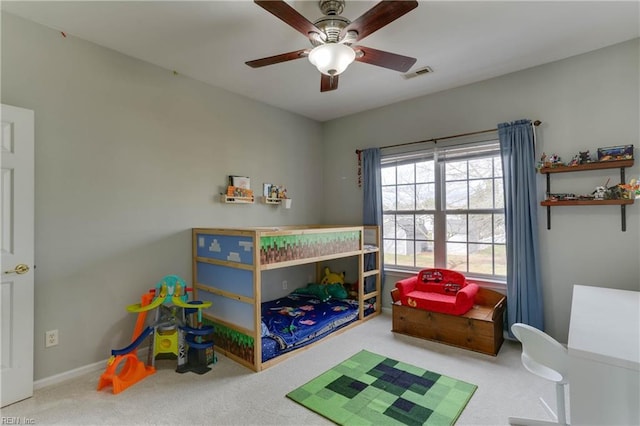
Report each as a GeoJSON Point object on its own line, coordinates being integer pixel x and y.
{"type": "Point", "coordinates": [368, 388]}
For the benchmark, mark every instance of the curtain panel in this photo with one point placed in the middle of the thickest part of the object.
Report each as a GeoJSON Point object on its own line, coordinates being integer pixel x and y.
{"type": "Point", "coordinates": [372, 205]}
{"type": "Point", "coordinates": [524, 287]}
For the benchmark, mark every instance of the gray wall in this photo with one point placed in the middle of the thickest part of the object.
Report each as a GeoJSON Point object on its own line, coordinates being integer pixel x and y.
{"type": "Point", "coordinates": [129, 157]}
{"type": "Point", "coordinates": [585, 102]}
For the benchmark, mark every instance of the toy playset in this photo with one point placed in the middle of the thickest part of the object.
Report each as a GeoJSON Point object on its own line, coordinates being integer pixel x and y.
{"type": "Point", "coordinates": [177, 332]}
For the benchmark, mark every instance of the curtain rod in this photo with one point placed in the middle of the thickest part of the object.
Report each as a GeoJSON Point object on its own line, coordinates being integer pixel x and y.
{"type": "Point", "coordinates": [358, 151]}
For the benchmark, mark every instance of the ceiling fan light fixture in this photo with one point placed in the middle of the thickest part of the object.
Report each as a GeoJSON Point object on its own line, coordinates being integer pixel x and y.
{"type": "Point", "coordinates": [332, 58]}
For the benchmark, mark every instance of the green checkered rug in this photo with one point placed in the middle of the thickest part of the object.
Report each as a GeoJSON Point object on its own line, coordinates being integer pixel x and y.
{"type": "Point", "coordinates": [370, 389]}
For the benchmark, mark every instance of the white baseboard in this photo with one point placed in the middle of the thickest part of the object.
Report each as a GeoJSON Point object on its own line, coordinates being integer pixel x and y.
{"type": "Point", "coordinates": [77, 372]}
{"type": "Point", "coordinates": [68, 375]}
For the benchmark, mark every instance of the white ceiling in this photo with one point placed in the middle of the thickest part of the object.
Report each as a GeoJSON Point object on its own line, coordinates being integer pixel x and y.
{"type": "Point", "coordinates": [462, 41]}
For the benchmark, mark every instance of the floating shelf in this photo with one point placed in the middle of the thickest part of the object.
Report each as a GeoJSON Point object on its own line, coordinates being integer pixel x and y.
{"type": "Point", "coordinates": [596, 165]}
{"type": "Point", "coordinates": [268, 200]}
{"type": "Point", "coordinates": [236, 200]}
{"type": "Point", "coordinates": [551, 203]}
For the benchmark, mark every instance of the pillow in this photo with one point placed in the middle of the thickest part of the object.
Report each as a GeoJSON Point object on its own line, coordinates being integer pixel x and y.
{"type": "Point", "coordinates": [265, 330]}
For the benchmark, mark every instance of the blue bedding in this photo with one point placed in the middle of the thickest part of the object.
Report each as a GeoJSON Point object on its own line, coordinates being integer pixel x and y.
{"type": "Point", "coordinates": [295, 320]}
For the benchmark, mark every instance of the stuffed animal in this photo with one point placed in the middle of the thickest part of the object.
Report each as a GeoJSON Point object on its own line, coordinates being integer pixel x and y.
{"type": "Point", "coordinates": [332, 277]}
{"type": "Point", "coordinates": [323, 292]}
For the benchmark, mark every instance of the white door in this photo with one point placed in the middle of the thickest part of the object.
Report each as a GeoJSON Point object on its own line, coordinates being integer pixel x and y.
{"type": "Point", "coordinates": [17, 247]}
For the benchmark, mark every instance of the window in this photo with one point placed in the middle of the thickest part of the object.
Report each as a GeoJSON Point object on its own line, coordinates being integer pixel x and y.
{"type": "Point", "coordinates": [444, 207]}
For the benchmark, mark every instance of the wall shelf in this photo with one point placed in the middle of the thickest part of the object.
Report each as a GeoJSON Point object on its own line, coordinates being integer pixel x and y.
{"type": "Point", "coordinates": [598, 165]}
{"type": "Point", "coordinates": [269, 200]}
{"type": "Point", "coordinates": [236, 200]}
{"type": "Point", "coordinates": [550, 203]}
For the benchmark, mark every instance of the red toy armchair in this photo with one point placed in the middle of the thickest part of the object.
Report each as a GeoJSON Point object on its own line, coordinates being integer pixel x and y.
{"type": "Point", "coordinates": [438, 290]}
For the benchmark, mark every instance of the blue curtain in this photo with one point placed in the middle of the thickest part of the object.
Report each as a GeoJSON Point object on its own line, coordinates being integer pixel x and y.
{"type": "Point", "coordinates": [372, 187]}
{"type": "Point", "coordinates": [372, 205]}
{"type": "Point", "coordinates": [524, 287]}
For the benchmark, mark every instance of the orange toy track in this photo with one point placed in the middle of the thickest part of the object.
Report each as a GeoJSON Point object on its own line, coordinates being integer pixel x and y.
{"type": "Point", "coordinates": [131, 373]}
{"type": "Point", "coordinates": [133, 369]}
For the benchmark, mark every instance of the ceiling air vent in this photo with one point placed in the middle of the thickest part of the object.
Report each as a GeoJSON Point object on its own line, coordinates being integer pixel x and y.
{"type": "Point", "coordinates": [416, 73]}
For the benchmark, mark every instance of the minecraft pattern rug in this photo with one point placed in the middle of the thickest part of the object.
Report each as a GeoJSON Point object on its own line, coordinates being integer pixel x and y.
{"type": "Point", "coordinates": [372, 389]}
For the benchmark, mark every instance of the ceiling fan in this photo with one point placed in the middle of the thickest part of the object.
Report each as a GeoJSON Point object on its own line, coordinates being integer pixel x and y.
{"type": "Point", "coordinates": [333, 36]}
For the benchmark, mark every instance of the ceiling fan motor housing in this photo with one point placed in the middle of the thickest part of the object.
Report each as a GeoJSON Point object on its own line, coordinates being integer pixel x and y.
{"type": "Point", "coordinates": [332, 26]}
{"type": "Point", "coordinates": [331, 7]}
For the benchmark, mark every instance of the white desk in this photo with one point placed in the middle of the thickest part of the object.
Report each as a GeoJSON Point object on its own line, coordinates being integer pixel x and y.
{"type": "Point", "coordinates": [604, 354]}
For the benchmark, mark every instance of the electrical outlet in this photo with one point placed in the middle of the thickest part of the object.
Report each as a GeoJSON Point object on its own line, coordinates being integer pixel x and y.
{"type": "Point", "coordinates": [284, 284]}
{"type": "Point", "coordinates": [51, 338]}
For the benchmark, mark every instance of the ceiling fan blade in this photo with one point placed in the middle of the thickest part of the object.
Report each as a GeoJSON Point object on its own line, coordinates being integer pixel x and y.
{"type": "Point", "coordinates": [289, 15]}
{"type": "Point", "coordinates": [276, 59]}
{"type": "Point", "coordinates": [328, 83]}
{"type": "Point", "coordinates": [378, 16]}
{"type": "Point", "coordinates": [384, 59]}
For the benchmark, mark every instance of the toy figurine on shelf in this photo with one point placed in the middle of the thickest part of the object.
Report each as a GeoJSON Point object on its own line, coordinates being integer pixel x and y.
{"type": "Point", "coordinates": [599, 193]}
{"type": "Point", "coordinates": [549, 161]}
{"type": "Point", "coordinates": [542, 162]}
{"type": "Point", "coordinates": [631, 189]}
{"type": "Point", "coordinates": [584, 157]}
{"type": "Point", "coordinates": [574, 161]}
{"type": "Point", "coordinates": [555, 161]}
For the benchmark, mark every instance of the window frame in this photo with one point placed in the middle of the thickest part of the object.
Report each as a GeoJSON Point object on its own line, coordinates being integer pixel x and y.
{"type": "Point", "coordinates": [464, 151]}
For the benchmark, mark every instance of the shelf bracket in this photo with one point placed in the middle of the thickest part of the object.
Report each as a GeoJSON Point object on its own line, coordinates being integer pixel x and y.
{"type": "Point", "coordinates": [623, 209]}
{"type": "Point", "coordinates": [548, 207]}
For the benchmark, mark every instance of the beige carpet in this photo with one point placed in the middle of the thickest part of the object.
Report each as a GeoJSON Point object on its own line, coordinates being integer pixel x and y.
{"type": "Point", "coordinates": [230, 394]}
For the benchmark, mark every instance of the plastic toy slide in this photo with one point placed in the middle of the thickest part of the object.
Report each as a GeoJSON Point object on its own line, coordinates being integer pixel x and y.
{"type": "Point", "coordinates": [134, 344]}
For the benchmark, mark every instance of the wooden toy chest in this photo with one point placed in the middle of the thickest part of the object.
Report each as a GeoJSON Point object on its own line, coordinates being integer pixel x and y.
{"type": "Point", "coordinates": [480, 329]}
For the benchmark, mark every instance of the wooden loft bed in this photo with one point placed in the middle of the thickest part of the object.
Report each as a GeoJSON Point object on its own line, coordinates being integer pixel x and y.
{"type": "Point", "coordinates": [228, 266]}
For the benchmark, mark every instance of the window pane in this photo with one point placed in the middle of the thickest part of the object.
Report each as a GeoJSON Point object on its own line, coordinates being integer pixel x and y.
{"type": "Point", "coordinates": [456, 227]}
{"type": "Point", "coordinates": [405, 252]}
{"type": "Point", "coordinates": [406, 197]}
{"type": "Point", "coordinates": [499, 197]}
{"type": "Point", "coordinates": [424, 227]}
{"type": "Point", "coordinates": [497, 166]}
{"type": "Point", "coordinates": [481, 194]}
{"type": "Point", "coordinates": [456, 195]}
{"type": "Point", "coordinates": [425, 171]}
{"type": "Point", "coordinates": [481, 258]}
{"type": "Point", "coordinates": [425, 254]}
{"type": "Point", "coordinates": [455, 170]}
{"type": "Point", "coordinates": [457, 256]}
{"type": "Point", "coordinates": [405, 227]}
{"type": "Point", "coordinates": [499, 234]}
{"type": "Point", "coordinates": [426, 196]}
{"type": "Point", "coordinates": [481, 228]}
{"type": "Point", "coordinates": [406, 174]}
{"type": "Point", "coordinates": [388, 175]}
{"type": "Point", "coordinates": [481, 168]}
{"type": "Point", "coordinates": [388, 226]}
{"type": "Point", "coordinates": [389, 252]}
{"type": "Point", "coordinates": [500, 259]}
{"type": "Point", "coordinates": [389, 198]}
